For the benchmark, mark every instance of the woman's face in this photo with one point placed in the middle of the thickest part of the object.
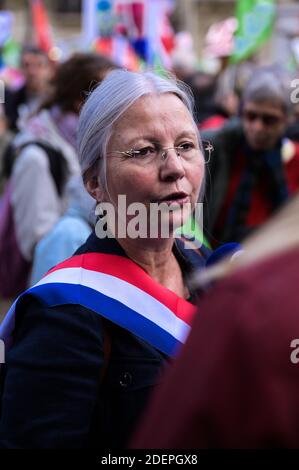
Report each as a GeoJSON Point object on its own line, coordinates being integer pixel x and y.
{"type": "Point", "coordinates": [153, 122]}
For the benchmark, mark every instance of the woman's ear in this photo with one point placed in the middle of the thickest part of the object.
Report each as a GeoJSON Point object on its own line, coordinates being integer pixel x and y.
{"type": "Point", "coordinates": [94, 188]}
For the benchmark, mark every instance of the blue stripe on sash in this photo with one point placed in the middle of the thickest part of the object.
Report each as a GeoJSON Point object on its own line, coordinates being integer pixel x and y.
{"type": "Point", "coordinates": [60, 293]}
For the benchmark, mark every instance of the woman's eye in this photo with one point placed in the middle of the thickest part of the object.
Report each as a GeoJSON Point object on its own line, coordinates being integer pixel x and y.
{"type": "Point", "coordinates": [144, 152]}
{"type": "Point", "coordinates": [185, 146]}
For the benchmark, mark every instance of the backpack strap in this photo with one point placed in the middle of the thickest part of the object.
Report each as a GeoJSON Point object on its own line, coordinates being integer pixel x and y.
{"type": "Point", "coordinates": [57, 163]}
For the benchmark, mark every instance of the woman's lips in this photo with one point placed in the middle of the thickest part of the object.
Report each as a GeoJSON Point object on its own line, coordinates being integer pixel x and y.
{"type": "Point", "coordinates": [180, 200]}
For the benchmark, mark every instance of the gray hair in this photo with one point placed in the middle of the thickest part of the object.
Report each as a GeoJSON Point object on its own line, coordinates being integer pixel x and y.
{"type": "Point", "coordinates": [270, 84]}
{"type": "Point", "coordinates": [104, 106]}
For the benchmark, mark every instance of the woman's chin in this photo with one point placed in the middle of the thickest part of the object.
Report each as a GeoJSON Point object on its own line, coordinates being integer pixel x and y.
{"type": "Point", "coordinates": [174, 221]}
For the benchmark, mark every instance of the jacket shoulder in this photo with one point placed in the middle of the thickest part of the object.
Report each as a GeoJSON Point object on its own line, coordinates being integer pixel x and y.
{"type": "Point", "coordinates": [232, 129]}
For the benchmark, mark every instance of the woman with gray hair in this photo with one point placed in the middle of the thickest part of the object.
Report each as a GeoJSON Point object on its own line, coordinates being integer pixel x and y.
{"type": "Point", "coordinates": [105, 321]}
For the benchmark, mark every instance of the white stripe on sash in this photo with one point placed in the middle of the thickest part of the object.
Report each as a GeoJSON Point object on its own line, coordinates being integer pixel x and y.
{"type": "Point", "coordinates": [126, 293]}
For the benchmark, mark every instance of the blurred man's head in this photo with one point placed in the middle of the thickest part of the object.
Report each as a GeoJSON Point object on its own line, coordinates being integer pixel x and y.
{"type": "Point", "coordinates": [265, 109]}
{"type": "Point", "coordinates": [37, 69]}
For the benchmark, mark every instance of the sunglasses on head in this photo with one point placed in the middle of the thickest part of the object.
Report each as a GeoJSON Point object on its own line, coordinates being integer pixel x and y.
{"type": "Point", "coordinates": [267, 119]}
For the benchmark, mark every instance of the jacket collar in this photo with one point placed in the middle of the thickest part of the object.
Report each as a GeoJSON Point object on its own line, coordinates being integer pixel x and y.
{"type": "Point", "coordinates": [188, 259]}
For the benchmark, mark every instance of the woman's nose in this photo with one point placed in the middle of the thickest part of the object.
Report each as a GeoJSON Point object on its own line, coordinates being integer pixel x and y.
{"type": "Point", "coordinates": [172, 166]}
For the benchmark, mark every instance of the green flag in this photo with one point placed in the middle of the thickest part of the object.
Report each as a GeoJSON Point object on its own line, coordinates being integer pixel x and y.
{"type": "Point", "coordinates": [192, 231]}
{"type": "Point", "coordinates": [255, 25]}
{"type": "Point", "coordinates": [11, 52]}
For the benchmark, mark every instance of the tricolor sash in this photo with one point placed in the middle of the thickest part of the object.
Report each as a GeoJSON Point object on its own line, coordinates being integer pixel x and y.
{"type": "Point", "coordinates": [117, 289]}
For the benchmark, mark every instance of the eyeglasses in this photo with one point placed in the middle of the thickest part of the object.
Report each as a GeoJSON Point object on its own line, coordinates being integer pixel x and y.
{"type": "Point", "coordinates": [267, 119]}
{"type": "Point", "coordinates": [149, 154]}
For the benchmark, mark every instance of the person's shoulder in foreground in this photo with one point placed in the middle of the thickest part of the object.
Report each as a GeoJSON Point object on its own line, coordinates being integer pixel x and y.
{"type": "Point", "coordinates": [234, 384]}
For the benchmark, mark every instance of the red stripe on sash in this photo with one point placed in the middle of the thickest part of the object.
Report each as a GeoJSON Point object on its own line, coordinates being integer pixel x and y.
{"type": "Point", "coordinates": [125, 269]}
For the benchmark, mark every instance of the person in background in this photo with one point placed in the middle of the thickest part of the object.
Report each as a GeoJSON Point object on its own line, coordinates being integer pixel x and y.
{"type": "Point", "coordinates": [203, 86]}
{"type": "Point", "coordinates": [226, 105]}
{"type": "Point", "coordinates": [254, 169]}
{"type": "Point", "coordinates": [293, 129]}
{"type": "Point", "coordinates": [6, 137]}
{"type": "Point", "coordinates": [236, 381]}
{"type": "Point", "coordinates": [39, 179]}
{"type": "Point", "coordinates": [38, 72]}
{"type": "Point", "coordinates": [68, 233]}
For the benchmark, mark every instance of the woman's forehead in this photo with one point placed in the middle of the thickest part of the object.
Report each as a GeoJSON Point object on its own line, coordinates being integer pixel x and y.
{"type": "Point", "coordinates": [155, 114]}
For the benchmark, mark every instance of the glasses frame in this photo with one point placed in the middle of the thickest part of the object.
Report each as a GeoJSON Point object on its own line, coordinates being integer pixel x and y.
{"type": "Point", "coordinates": [164, 150]}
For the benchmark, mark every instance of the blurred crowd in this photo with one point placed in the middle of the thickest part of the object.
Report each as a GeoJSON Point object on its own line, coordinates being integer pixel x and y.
{"type": "Point", "coordinates": [244, 111]}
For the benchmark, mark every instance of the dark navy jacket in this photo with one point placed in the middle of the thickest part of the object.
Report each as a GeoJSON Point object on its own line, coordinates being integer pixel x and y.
{"type": "Point", "coordinates": [54, 394]}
